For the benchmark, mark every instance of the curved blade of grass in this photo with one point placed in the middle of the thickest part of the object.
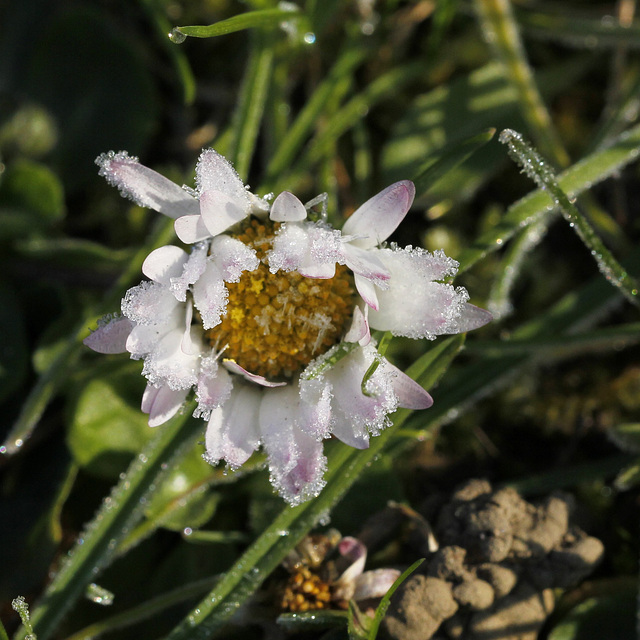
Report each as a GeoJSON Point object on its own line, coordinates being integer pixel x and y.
{"type": "Point", "coordinates": [541, 173]}
{"type": "Point", "coordinates": [246, 120]}
{"type": "Point", "coordinates": [536, 205]}
{"type": "Point", "coordinates": [553, 347]}
{"type": "Point", "coordinates": [381, 609]}
{"type": "Point", "coordinates": [96, 547]}
{"type": "Point", "coordinates": [577, 30]}
{"type": "Point", "coordinates": [178, 57]}
{"type": "Point", "coordinates": [450, 157]}
{"type": "Point", "coordinates": [249, 20]}
{"type": "Point", "coordinates": [57, 373]}
{"type": "Point", "coordinates": [501, 32]}
{"type": "Point", "coordinates": [293, 523]}
{"type": "Point", "coordinates": [292, 143]}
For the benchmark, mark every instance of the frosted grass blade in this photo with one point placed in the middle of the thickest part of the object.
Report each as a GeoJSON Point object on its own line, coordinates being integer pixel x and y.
{"type": "Point", "coordinates": [539, 171]}
{"type": "Point", "coordinates": [96, 547]}
{"type": "Point", "coordinates": [536, 205]}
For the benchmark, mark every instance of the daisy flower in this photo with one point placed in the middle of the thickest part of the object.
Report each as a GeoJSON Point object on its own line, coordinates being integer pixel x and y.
{"type": "Point", "coordinates": [269, 322]}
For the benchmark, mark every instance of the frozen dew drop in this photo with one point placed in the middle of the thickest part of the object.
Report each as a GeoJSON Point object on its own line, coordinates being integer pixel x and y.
{"type": "Point", "coordinates": [309, 37]}
{"type": "Point", "coordinates": [3, 449]}
{"type": "Point", "coordinates": [176, 36]}
{"type": "Point", "coordinates": [187, 531]}
{"type": "Point", "coordinates": [99, 595]}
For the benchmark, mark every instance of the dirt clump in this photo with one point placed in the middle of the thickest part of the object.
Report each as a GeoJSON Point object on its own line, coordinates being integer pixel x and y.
{"type": "Point", "coordinates": [498, 560]}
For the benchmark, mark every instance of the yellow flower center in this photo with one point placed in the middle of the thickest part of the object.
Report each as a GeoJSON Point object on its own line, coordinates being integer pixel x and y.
{"type": "Point", "coordinates": [275, 324]}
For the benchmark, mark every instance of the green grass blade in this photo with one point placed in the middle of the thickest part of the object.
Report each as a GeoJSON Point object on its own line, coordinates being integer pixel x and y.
{"type": "Point", "coordinates": [308, 116]}
{"type": "Point", "coordinates": [253, 95]}
{"type": "Point", "coordinates": [536, 205]}
{"type": "Point", "coordinates": [381, 609]}
{"type": "Point", "coordinates": [96, 547]}
{"type": "Point", "coordinates": [501, 31]}
{"type": "Point", "coordinates": [293, 523]}
{"type": "Point", "coordinates": [450, 157]}
{"type": "Point", "coordinates": [539, 171]}
{"type": "Point", "coordinates": [265, 18]}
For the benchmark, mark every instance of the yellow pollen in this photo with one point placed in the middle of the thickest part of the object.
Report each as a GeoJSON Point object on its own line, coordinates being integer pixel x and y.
{"type": "Point", "coordinates": [275, 324]}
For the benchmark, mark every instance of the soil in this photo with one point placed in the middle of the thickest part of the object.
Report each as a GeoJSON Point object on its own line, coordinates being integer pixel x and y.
{"type": "Point", "coordinates": [498, 560]}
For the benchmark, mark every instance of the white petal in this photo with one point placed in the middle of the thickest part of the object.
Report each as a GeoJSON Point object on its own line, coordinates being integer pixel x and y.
{"type": "Point", "coordinates": [161, 403]}
{"type": "Point", "coordinates": [215, 172]}
{"type": "Point", "coordinates": [356, 552]}
{"type": "Point", "coordinates": [414, 305]}
{"type": "Point", "coordinates": [219, 211]}
{"type": "Point", "coordinates": [318, 271]}
{"type": "Point", "coordinates": [410, 394]}
{"type": "Point", "coordinates": [359, 329]}
{"type": "Point", "coordinates": [355, 414]}
{"type": "Point", "coordinates": [379, 216]}
{"type": "Point", "coordinates": [149, 303]}
{"type": "Point", "coordinates": [210, 296]}
{"type": "Point", "coordinates": [290, 246]}
{"type": "Point", "coordinates": [232, 432]}
{"type": "Point", "coordinates": [144, 186]}
{"type": "Point", "coordinates": [214, 387]}
{"type": "Point", "coordinates": [367, 291]}
{"type": "Point", "coordinates": [296, 461]}
{"type": "Point", "coordinates": [315, 407]}
{"type": "Point", "coordinates": [110, 336]}
{"type": "Point", "coordinates": [374, 584]}
{"type": "Point", "coordinates": [169, 365]}
{"type": "Point", "coordinates": [287, 208]}
{"type": "Point", "coordinates": [367, 264]}
{"type": "Point", "coordinates": [472, 317]}
{"type": "Point", "coordinates": [191, 229]}
{"type": "Point", "coordinates": [164, 263]}
{"type": "Point", "coordinates": [233, 257]}
{"type": "Point", "coordinates": [234, 367]}
{"type": "Point", "coordinates": [192, 269]}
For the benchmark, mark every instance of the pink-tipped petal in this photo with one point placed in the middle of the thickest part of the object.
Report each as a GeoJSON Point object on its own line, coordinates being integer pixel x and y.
{"type": "Point", "coordinates": [144, 186]}
{"type": "Point", "coordinates": [232, 432]}
{"type": "Point", "coordinates": [359, 329]}
{"type": "Point", "coordinates": [191, 229]}
{"type": "Point", "coordinates": [164, 263]}
{"type": "Point", "coordinates": [287, 208]}
{"type": "Point", "coordinates": [220, 211]}
{"type": "Point", "coordinates": [110, 337]}
{"type": "Point", "coordinates": [296, 460]}
{"type": "Point", "coordinates": [214, 386]}
{"type": "Point", "coordinates": [379, 216]}
{"type": "Point", "coordinates": [366, 264]}
{"type": "Point", "coordinates": [374, 584]}
{"type": "Point", "coordinates": [367, 291]}
{"type": "Point", "coordinates": [162, 403]}
{"type": "Point", "coordinates": [356, 552]}
{"type": "Point", "coordinates": [472, 317]}
{"type": "Point", "coordinates": [410, 394]}
{"type": "Point", "coordinates": [234, 367]}
{"type": "Point", "coordinates": [215, 173]}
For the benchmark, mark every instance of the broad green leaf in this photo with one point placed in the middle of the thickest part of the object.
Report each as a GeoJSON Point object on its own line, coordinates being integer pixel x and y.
{"type": "Point", "coordinates": [33, 189]}
{"type": "Point", "coordinates": [107, 428]}
{"type": "Point", "coordinates": [250, 20]}
{"type": "Point", "coordinates": [184, 499]}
